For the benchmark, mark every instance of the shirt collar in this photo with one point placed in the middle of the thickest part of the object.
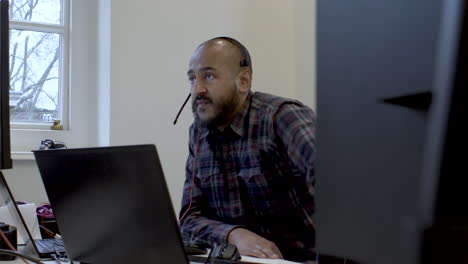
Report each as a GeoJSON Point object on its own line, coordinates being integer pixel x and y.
{"type": "Point", "coordinates": [238, 123]}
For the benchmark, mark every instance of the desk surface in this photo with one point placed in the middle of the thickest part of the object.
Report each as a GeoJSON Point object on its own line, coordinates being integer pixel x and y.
{"type": "Point", "coordinates": [19, 261]}
{"type": "Point", "coordinates": [244, 258]}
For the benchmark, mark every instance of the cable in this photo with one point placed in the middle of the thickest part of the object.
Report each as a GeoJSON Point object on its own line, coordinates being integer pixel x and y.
{"type": "Point", "coordinates": [14, 253]}
{"type": "Point", "coordinates": [6, 240]}
{"type": "Point", "coordinates": [60, 258]}
{"type": "Point", "coordinates": [50, 233]}
{"type": "Point", "coordinates": [193, 175]}
{"type": "Point", "coordinates": [9, 244]}
{"type": "Point", "coordinates": [45, 211]}
{"type": "Point", "coordinates": [209, 255]}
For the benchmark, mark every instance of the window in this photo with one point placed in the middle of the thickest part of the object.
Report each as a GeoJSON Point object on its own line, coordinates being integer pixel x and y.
{"type": "Point", "coordinates": [38, 62]}
{"type": "Point", "coordinates": [68, 57]}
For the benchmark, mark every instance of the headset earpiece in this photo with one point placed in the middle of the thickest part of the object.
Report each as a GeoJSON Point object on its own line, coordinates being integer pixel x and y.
{"type": "Point", "coordinates": [246, 61]}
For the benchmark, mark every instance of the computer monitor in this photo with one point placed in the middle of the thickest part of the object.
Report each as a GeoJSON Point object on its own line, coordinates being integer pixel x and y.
{"type": "Point", "coordinates": [112, 204]}
{"type": "Point", "coordinates": [5, 156]}
{"type": "Point", "coordinates": [392, 81]}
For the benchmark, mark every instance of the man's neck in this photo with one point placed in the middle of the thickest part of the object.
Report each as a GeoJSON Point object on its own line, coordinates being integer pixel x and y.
{"type": "Point", "coordinates": [233, 114]}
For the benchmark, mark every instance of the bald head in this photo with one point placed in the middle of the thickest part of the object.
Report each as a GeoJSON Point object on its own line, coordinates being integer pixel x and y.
{"type": "Point", "coordinates": [235, 51]}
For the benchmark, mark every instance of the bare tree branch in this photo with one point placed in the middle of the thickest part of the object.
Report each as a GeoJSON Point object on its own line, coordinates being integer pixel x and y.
{"type": "Point", "coordinates": [16, 76]}
{"type": "Point", "coordinates": [32, 5]}
{"type": "Point", "coordinates": [50, 97]}
{"type": "Point", "coordinates": [32, 86]}
{"type": "Point", "coordinates": [25, 63]}
{"type": "Point", "coordinates": [13, 59]}
{"type": "Point", "coordinates": [24, 98]}
{"type": "Point", "coordinates": [21, 8]}
{"type": "Point", "coordinates": [46, 73]}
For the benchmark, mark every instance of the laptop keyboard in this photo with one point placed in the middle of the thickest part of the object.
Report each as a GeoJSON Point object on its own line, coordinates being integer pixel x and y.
{"type": "Point", "coordinates": [50, 245]}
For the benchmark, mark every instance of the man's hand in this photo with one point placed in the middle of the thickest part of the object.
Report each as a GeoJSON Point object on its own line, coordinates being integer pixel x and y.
{"type": "Point", "coordinates": [251, 244]}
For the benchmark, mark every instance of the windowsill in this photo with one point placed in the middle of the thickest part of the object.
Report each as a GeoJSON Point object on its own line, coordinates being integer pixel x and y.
{"type": "Point", "coordinates": [22, 155]}
{"type": "Point", "coordinates": [39, 130]}
{"type": "Point", "coordinates": [31, 126]}
{"type": "Point", "coordinates": [23, 141]}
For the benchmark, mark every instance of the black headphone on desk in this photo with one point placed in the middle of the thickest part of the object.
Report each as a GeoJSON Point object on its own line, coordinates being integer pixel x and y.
{"type": "Point", "coordinates": [49, 144]}
{"type": "Point", "coordinates": [245, 62]}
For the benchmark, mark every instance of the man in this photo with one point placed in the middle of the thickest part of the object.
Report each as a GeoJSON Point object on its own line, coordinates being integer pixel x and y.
{"type": "Point", "coordinates": [250, 170]}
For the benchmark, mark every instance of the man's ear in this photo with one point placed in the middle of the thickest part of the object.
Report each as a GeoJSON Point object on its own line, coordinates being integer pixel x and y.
{"type": "Point", "coordinates": [245, 80]}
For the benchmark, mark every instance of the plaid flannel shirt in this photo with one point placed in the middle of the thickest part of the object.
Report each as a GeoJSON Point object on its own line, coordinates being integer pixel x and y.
{"type": "Point", "coordinates": [257, 174]}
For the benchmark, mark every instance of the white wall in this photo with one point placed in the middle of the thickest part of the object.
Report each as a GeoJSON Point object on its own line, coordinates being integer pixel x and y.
{"type": "Point", "coordinates": [25, 182]}
{"type": "Point", "coordinates": [140, 82]}
{"type": "Point", "coordinates": [304, 51]}
{"type": "Point", "coordinates": [150, 51]}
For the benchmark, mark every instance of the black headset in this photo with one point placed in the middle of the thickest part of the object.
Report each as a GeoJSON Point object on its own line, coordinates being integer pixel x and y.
{"type": "Point", "coordinates": [245, 62]}
{"type": "Point", "coordinates": [49, 144]}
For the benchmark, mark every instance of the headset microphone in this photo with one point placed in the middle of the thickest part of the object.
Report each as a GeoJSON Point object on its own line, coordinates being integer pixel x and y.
{"type": "Point", "coordinates": [182, 108]}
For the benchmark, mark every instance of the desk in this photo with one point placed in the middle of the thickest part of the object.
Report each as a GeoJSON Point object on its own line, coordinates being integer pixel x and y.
{"type": "Point", "coordinates": [19, 261]}
{"type": "Point", "coordinates": [196, 261]}
{"type": "Point", "coordinates": [244, 258]}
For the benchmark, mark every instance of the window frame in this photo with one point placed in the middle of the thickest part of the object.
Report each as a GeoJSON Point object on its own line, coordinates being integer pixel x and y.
{"type": "Point", "coordinates": [63, 30]}
{"type": "Point", "coordinates": [79, 83]}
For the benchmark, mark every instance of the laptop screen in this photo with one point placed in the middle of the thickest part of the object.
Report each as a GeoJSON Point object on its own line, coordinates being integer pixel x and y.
{"type": "Point", "coordinates": [112, 204]}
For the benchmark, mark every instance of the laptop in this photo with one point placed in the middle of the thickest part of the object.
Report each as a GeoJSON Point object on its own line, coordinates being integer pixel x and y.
{"type": "Point", "coordinates": [44, 248]}
{"type": "Point", "coordinates": [112, 204]}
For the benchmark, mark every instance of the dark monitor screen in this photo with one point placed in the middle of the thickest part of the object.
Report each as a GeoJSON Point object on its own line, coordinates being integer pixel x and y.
{"type": "Point", "coordinates": [392, 81]}
{"type": "Point", "coordinates": [112, 204]}
{"type": "Point", "coordinates": [5, 156]}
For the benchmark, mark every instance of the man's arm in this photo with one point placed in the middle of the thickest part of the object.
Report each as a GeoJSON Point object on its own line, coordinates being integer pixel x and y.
{"type": "Point", "coordinates": [196, 228]}
{"type": "Point", "coordinates": [295, 127]}
{"type": "Point", "coordinates": [250, 244]}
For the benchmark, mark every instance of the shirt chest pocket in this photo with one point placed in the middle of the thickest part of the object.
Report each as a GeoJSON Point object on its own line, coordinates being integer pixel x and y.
{"type": "Point", "coordinates": [208, 175]}
{"type": "Point", "coordinates": [252, 175]}
{"type": "Point", "coordinates": [258, 185]}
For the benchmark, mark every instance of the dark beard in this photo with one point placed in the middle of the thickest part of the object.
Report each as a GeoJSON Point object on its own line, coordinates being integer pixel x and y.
{"type": "Point", "coordinates": [196, 117]}
{"type": "Point", "coordinates": [226, 109]}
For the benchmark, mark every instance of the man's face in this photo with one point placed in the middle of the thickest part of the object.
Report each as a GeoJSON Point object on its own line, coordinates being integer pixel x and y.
{"type": "Point", "coordinates": [212, 75]}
